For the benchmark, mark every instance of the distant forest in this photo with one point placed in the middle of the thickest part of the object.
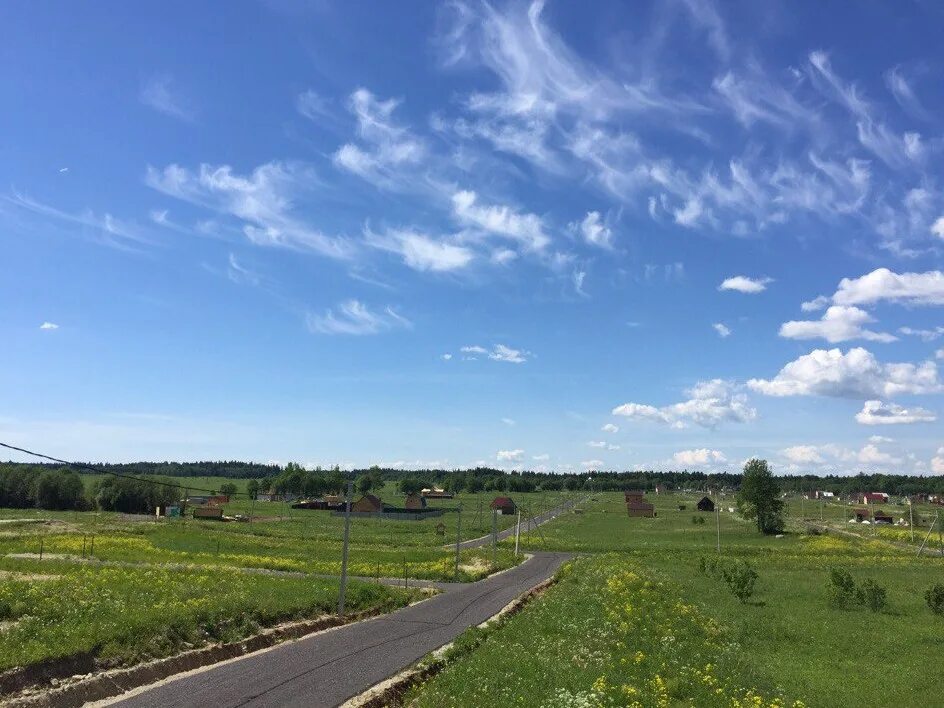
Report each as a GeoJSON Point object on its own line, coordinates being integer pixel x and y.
{"type": "Point", "coordinates": [485, 478]}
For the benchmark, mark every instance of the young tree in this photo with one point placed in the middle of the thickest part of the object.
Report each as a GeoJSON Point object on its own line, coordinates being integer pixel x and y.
{"type": "Point", "coordinates": [759, 498]}
{"type": "Point", "coordinates": [228, 488]}
{"type": "Point", "coordinates": [411, 485]}
{"type": "Point", "coordinates": [252, 488]}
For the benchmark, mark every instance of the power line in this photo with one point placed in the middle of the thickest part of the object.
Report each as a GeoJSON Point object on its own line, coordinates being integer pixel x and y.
{"type": "Point", "coordinates": [96, 470]}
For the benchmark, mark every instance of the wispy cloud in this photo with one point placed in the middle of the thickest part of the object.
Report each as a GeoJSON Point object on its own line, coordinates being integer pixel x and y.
{"type": "Point", "coordinates": [49, 326]}
{"type": "Point", "coordinates": [356, 318]}
{"type": "Point", "coordinates": [422, 252]}
{"type": "Point", "coordinates": [743, 284]}
{"type": "Point", "coordinates": [159, 93]}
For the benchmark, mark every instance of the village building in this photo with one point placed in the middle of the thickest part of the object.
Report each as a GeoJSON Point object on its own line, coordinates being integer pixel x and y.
{"type": "Point", "coordinates": [861, 515]}
{"type": "Point", "coordinates": [415, 501]}
{"type": "Point", "coordinates": [874, 498]}
{"type": "Point", "coordinates": [640, 508]}
{"type": "Point", "coordinates": [436, 493]}
{"type": "Point", "coordinates": [504, 505]}
{"type": "Point", "coordinates": [367, 503]}
{"type": "Point", "coordinates": [633, 495]}
{"type": "Point", "coordinates": [705, 504]}
{"type": "Point", "coordinates": [880, 517]}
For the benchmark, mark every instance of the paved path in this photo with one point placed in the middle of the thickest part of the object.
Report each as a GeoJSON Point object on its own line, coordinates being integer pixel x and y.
{"type": "Point", "coordinates": [328, 668]}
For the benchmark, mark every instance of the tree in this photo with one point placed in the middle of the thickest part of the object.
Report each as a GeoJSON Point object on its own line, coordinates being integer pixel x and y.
{"type": "Point", "coordinates": [759, 497]}
{"type": "Point", "coordinates": [411, 485]}
{"type": "Point", "coordinates": [59, 490]}
{"type": "Point", "coordinates": [228, 488]}
{"type": "Point", "coordinates": [366, 482]}
{"type": "Point", "coordinates": [252, 488]}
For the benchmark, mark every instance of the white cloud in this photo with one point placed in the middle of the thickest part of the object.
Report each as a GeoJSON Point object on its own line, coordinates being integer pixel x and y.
{"type": "Point", "coordinates": [803, 454]}
{"type": "Point", "coordinates": [884, 285]}
{"type": "Point", "coordinates": [838, 324]}
{"type": "Point", "coordinates": [475, 349]}
{"type": "Point", "coordinates": [856, 374]}
{"type": "Point", "coordinates": [592, 464]}
{"type": "Point", "coordinates": [421, 252]}
{"type": "Point", "coordinates": [879, 413]}
{"type": "Point", "coordinates": [880, 439]}
{"type": "Point", "coordinates": [500, 220]}
{"type": "Point", "coordinates": [578, 277]}
{"type": "Point", "coordinates": [700, 457]}
{"type": "Point", "coordinates": [722, 330]}
{"type": "Point", "coordinates": [928, 335]}
{"type": "Point", "coordinates": [743, 284]}
{"type": "Point", "coordinates": [499, 352]}
{"type": "Point", "coordinates": [509, 421]}
{"type": "Point", "coordinates": [354, 317]}
{"type": "Point", "coordinates": [510, 455]}
{"type": "Point", "coordinates": [158, 93]}
{"type": "Point", "coordinates": [594, 230]}
{"type": "Point", "coordinates": [597, 443]}
{"type": "Point", "coordinates": [937, 228]}
{"type": "Point", "coordinates": [817, 303]}
{"type": "Point", "coordinates": [386, 147]}
{"type": "Point", "coordinates": [610, 428]}
{"type": "Point", "coordinates": [710, 403]}
{"type": "Point", "coordinates": [446, 357]}
{"type": "Point", "coordinates": [544, 457]}
{"type": "Point", "coordinates": [262, 201]}
{"type": "Point", "coordinates": [937, 462]}
{"type": "Point", "coordinates": [238, 273]}
{"type": "Point", "coordinates": [49, 326]}
{"type": "Point", "coordinates": [871, 456]}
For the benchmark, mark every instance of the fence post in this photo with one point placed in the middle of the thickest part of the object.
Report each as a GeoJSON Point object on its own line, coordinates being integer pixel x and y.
{"type": "Point", "coordinates": [347, 535]}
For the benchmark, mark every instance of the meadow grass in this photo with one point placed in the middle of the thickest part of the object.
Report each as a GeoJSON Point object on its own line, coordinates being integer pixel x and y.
{"type": "Point", "coordinates": [785, 642]}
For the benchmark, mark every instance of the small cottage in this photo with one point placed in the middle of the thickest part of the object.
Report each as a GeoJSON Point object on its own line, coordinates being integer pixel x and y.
{"type": "Point", "coordinates": [504, 505]}
{"type": "Point", "coordinates": [640, 508]}
{"type": "Point", "coordinates": [367, 503]}
{"type": "Point", "coordinates": [634, 495]}
{"type": "Point", "coordinates": [705, 504]}
{"type": "Point", "coordinates": [860, 515]}
{"type": "Point", "coordinates": [415, 501]}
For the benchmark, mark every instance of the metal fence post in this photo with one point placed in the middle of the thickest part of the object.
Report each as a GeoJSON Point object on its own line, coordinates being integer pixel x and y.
{"type": "Point", "coordinates": [347, 535]}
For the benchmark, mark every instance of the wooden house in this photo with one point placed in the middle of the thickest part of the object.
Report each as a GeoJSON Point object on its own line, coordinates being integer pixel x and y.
{"type": "Point", "coordinates": [415, 501]}
{"type": "Point", "coordinates": [368, 503]}
{"type": "Point", "coordinates": [633, 495]}
{"type": "Point", "coordinates": [705, 504]}
{"type": "Point", "coordinates": [640, 508]}
{"type": "Point", "coordinates": [504, 505]}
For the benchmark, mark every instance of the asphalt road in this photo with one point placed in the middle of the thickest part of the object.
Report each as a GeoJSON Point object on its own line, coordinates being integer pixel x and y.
{"type": "Point", "coordinates": [328, 668]}
{"type": "Point", "coordinates": [526, 526]}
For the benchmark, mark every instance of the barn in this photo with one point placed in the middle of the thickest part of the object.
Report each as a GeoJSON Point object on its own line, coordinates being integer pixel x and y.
{"type": "Point", "coordinates": [415, 501]}
{"type": "Point", "coordinates": [634, 495]}
{"type": "Point", "coordinates": [368, 503]}
{"type": "Point", "coordinates": [706, 504]}
{"type": "Point", "coordinates": [640, 508]}
{"type": "Point", "coordinates": [504, 505]}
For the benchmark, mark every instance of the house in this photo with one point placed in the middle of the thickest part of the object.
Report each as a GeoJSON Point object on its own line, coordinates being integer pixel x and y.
{"type": "Point", "coordinates": [825, 495]}
{"type": "Point", "coordinates": [319, 504]}
{"type": "Point", "coordinates": [197, 500]}
{"type": "Point", "coordinates": [634, 495]}
{"type": "Point", "coordinates": [218, 499]}
{"type": "Point", "coordinates": [705, 504]}
{"type": "Point", "coordinates": [660, 489]}
{"type": "Point", "coordinates": [504, 505]}
{"type": "Point", "coordinates": [436, 493]}
{"type": "Point", "coordinates": [640, 508]}
{"type": "Point", "coordinates": [368, 503]}
{"type": "Point", "coordinates": [334, 501]}
{"type": "Point", "coordinates": [268, 497]}
{"type": "Point", "coordinates": [415, 501]}
{"type": "Point", "coordinates": [860, 515]}
{"type": "Point", "coordinates": [874, 498]}
{"type": "Point", "coordinates": [880, 517]}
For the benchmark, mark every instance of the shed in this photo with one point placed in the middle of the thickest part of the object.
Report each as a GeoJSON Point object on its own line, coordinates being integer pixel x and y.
{"type": "Point", "coordinates": [218, 499]}
{"type": "Point", "coordinates": [368, 502]}
{"type": "Point", "coordinates": [334, 501]}
{"type": "Point", "coordinates": [705, 504]}
{"type": "Point", "coordinates": [880, 517]}
{"type": "Point", "coordinates": [640, 508]}
{"type": "Point", "coordinates": [633, 495]}
{"type": "Point", "coordinates": [415, 501]}
{"type": "Point", "coordinates": [875, 498]}
{"type": "Point", "coordinates": [208, 512]}
{"type": "Point", "coordinates": [504, 505]}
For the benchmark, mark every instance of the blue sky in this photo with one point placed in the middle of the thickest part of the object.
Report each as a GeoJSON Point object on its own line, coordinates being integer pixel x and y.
{"type": "Point", "coordinates": [525, 235]}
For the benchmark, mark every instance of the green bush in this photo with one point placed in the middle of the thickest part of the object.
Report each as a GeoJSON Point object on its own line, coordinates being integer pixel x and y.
{"type": "Point", "coordinates": [935, 598]}
{"type": "Point", "coordinates": [841, 589]}
{"type": "Point", "coordinates": [740, 578]}
{"type": "Point", "coordinates": [872, 595]}
{"type": "Point", "coordinates": [698, 519]}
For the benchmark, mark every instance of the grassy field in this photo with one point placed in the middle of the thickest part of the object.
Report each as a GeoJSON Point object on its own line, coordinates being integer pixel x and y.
{"type": "Point", "coordinates": [785, 644]}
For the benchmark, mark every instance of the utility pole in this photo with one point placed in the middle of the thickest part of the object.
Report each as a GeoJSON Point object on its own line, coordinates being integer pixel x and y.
{"type": "Point", "coordinates": [347, 535]}
{"type": "Point", "coordinates": [911, 517]}
{"type": "Point", "coordinates": [458, 538]}
{"type": "Point", "coordinates": [718, 518]}
{"type": "Point", "coordinates": [494, 537]}
{"type": "Point", "coordinates": [517, 532]}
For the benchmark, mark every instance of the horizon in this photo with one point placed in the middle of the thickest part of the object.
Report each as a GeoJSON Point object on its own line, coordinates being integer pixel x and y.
{"type": "Point", "coordinates": [522, 235]}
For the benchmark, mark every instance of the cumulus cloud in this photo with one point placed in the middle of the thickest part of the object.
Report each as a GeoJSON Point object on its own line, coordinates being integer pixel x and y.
{"type": "Point", "coordinates": [700, 457]}
{"type": "Point", "coordinates": [855, 374]}
{"type": "Point", "coordinates": [817, 303]}
{"type": "Point", "coordinates": [49, 326]}
{"type": "Point", "coordinates": [883, 284]}
{"type": "Point", "coordinates": [510, 455]}
{"type": "Point", "coordinates": [838, 324]}
{"type": "Point", "coordinates": [594, 230]}
{"type": "Point", "coordinates": [722, 330]}
{"type": "Point", "coordinates": [710, 403]}
{"type": "Point", "coordinates": [937, 228]}
{"type": "Point", "coordinates": [446, 357]}
{"type": "Point", "coordinates": [937, 462]}
{"type": "Point", "coordinates": [743, 284]}
{"type": "Point", "coordinates": [610, 428]}
{"type": "Point", "coordinates": [803, 454]}
{"type": "Point", "coordinates": [928, 335]}
{"type": "Point", "coordinates": [354, 317]}
{"type": "Point", "coordinates": [879, 413]}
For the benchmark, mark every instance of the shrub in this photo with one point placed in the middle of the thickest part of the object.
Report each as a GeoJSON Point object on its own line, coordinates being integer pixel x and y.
{"type": "Point", "coordinates": [698, 519]}
{"type": "Point", "coordinates": [840, 589]}
{"type": "Point", "coordinates": [740, 578]}
{"type": "Point", "coordinates": [872, 595]}
{"type": "Point", "coordinates": [935, 598]}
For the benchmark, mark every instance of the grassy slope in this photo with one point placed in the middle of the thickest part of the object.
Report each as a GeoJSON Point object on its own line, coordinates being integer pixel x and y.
{"type": "Point", "coordinates": [787, 637]}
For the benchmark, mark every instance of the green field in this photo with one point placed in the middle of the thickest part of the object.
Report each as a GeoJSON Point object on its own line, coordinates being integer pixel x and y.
{"type": "Point", "coordinates": [785, 644]}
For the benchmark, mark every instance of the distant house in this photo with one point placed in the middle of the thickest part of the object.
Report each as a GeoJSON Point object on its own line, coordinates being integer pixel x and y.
{"type": "Point", "coordinates": [504, 505]}
{"type": "Point", "coordinates": [368, 503]}
{"type": "Point", "coordinates": [334, 501]}
{"type": "Point", "coordinates": [861, 514]}
{"type": "Point", "coordinates": [640, 508]}
{"type": "Point", "coordinates": [880, 517]}
{"type": "Point", "coordinates": [218, 499]}
{"type": "Point", "coordinates": [874, 498]}
{"type": "Point", "coordinates": [660, 489]}
{"type": "Point", "coordinates": [415, 501]}
{"type": "Point", "coordinates": [825, 495]}
{"type": "Point", "coordinates": [311, 504]}
{"type": "Point", "coordinates": [197, 500]}
{"type": "Point", "coordinates": [705, 504]}
{"type": "Point", "coordinates": [634, 495]}
{"type": "Point", "coordinates": [268, 497]}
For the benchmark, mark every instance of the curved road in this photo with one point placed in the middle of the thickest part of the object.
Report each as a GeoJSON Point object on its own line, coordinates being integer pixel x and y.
{"type": "Point", "coordinates": [330, 667]}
